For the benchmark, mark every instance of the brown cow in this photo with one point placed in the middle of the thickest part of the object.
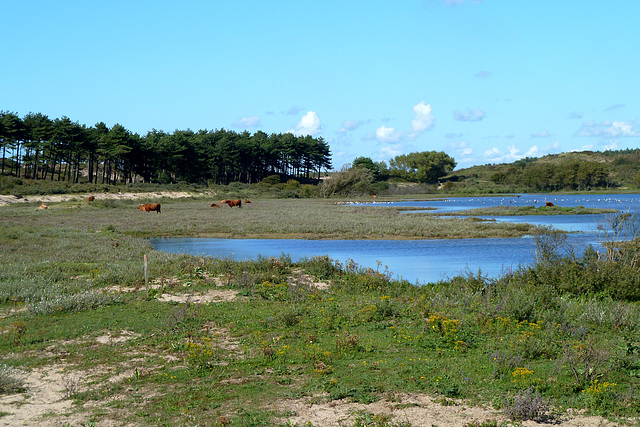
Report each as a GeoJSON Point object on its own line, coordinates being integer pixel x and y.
{"type": "Point", "coordinates": [43, 206]}
{"type": "Point", "coordinates": [215, 205]}
{"type": "Point", "coordinates": [373, 196]}
{"type": "Point", "coordinates": [548, 205]}
{"type": "Point", "coordinates": [90, 199]}
{"type": "Point", "coordinates": [148, 207]}
{"type": "Point", "coordinates": [247, 201]}
{"type": "Point", "coordinates": [233, 203]}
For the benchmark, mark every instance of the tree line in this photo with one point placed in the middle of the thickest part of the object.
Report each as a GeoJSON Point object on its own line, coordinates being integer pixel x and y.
{"type": "Point", "coordinates": [37, 147]}
{"type": "Point", "coordinates": [425, 167]}
{"type": "Point", "coordinates": [570, 174]}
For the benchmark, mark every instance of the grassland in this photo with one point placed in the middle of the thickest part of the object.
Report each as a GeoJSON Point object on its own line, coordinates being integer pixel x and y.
{"type": "Point", "coordinates": [281, 218]}
{"type": "Point", "coordinates": [217, 342]}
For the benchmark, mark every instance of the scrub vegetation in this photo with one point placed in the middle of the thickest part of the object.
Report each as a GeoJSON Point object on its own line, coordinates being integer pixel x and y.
{"type": "Point", "coordinates": [208, 341]}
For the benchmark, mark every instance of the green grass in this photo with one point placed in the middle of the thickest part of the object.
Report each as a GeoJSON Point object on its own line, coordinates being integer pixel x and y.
{"type": "Point", "coordinates": [288, 218]}
{"type": "Point", "coordinates": [511, 343]}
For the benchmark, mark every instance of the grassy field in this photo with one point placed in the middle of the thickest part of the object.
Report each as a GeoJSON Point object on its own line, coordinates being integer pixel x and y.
{"type": "Point", "coordinates": [217, 342]}
{"type": "Point", "coordinates": [282, 218]}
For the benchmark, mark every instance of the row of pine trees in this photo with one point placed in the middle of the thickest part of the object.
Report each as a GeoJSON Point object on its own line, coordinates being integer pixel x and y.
{"type": "Point", "coordinates": [37, 147]}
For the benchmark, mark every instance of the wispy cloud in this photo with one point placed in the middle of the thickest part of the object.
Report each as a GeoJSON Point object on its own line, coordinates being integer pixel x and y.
{"type": "Point", "coordinates": [247, 122]}
{"type": "Point", "coordinates": [614, 107]}
{"type": "Point", "coordinates": [575, 115]}
{"type": "Point", "coordinates": [469, 116]}
{"type": "Point", "coordinates": [308, 125]}
{"type": "Point", "coordinates": [608, 129]}
{"type": "Point", "coordinates": [483, 74]}
{"type": "Point", "coordinates": [293, 111]}
{"type": "Point", "coordinates": [457, 2]}
{"type": "Point", "coordinates": [544, 134]}
{"type": "Point", "coordinates": [390, 151]}
{"type": "Point", "coordinates": [351, 125]}
{"type": "Point", "coordinates": [462, 148]}
{"type": "Point", "coordinates": [611, 145]}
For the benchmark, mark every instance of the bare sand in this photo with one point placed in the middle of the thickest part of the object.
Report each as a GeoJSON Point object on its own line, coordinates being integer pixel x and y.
{"type": "Point", "coordinates": [10, 199]}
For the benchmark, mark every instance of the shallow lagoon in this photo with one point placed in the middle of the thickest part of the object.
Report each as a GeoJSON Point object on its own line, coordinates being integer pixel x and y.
{"type": "Point", "coordinates": [423, 261]}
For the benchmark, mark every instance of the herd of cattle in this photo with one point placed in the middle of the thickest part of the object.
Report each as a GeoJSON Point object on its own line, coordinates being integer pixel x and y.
{"type": "Point", "coordinates": [155, 207]}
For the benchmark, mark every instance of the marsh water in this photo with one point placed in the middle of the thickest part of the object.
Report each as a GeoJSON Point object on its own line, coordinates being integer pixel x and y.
{"type": "Point", "coordinates": [424, 261]}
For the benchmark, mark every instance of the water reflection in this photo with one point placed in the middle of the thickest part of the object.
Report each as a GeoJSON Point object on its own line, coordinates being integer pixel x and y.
{"type": "Point", "coordinates": [423, 261]}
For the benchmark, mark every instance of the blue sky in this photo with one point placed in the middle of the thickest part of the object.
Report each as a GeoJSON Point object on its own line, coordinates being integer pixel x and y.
{"type": "Point", "coordinates": [486, 81]}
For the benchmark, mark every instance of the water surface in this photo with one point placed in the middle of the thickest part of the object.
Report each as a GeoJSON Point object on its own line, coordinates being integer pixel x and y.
{"type": "Point", "coordinates": [423, 261]}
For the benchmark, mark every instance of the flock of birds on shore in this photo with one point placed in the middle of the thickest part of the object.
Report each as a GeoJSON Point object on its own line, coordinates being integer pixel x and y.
{"type": "Point", "coordinates": [493, 201]}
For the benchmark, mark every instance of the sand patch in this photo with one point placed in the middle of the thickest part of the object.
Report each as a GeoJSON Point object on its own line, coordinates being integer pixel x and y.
{"type": "Point", "coordinates": [299, 278]}
{"type": "Point", "coordinates": [10, 199]}
{"type": "Point", "coordinates": [213, 295]}
{"type": "Point", "coordinates": [416, 410]}
{"type": "Point", "coordinates": [45, 396]}
{"type": "Point", "coordinates": [113, 338]}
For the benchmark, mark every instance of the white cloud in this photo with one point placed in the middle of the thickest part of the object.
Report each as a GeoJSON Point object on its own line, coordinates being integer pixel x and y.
{"type": "Point", "coordinates": [470, 115]}
{"type": "Point", "coordinates": [608, 129]}
{"type": "Point", "coordinates": [308, 125]}
{"type": "Point", "coordinates": [514, 153]}
{"type": "Point", "coordinates": [247, 122]}
{"type": "Point", "coordinates": [575, 115]}
{"type": "Point", "coordinates": [611, 145]}
{"type": "Point", "coordinates": [532, 152]}
{"type": "Point", "coordinates": [493, 153]}
{"type": "Point", "coordinates": [385, 134]}
{"type": "Point", "coordinates": [424, 119]}
{"type": "Point", "coordinates": [588, 147]}
{"type": "Point", "coordinates": [390, 151]}
{"type": "Point", "coordinates": [462, 148]}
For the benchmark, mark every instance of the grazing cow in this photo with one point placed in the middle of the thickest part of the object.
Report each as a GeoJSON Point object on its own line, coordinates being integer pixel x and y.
{"type": "Point", "coordinates": [233, 203]}
{"type": "Point", "coordinates": [548, 205]}
{"type": "Point", "coordinates": [148, 207]}
{"type": "Point", "coordinates": [247, 201]}
{"type": "Point", "coordinates": [90, 199]}
{"type": "Point", "coordinates": [373, 196]}
{"type": "Point", "coordinates": [43, 206]}
{"type": "Point", "coordinates": [215, 205]}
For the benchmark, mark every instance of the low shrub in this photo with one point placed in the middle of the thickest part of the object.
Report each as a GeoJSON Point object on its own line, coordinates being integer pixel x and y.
{"type": "Point", "coordinates": [73, 303]}
{"type": "Point", "coordinates": [11, 380]}
{"type": "Point", "coordinates": [527, 405]}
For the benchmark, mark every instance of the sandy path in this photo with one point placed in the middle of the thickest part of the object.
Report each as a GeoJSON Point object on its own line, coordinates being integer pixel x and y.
{"type": "Point", "coordinates": [10, 199]}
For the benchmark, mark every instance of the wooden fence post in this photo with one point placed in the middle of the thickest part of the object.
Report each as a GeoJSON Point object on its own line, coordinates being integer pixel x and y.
{"type": "Point", "coordinates": [146, 276]}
